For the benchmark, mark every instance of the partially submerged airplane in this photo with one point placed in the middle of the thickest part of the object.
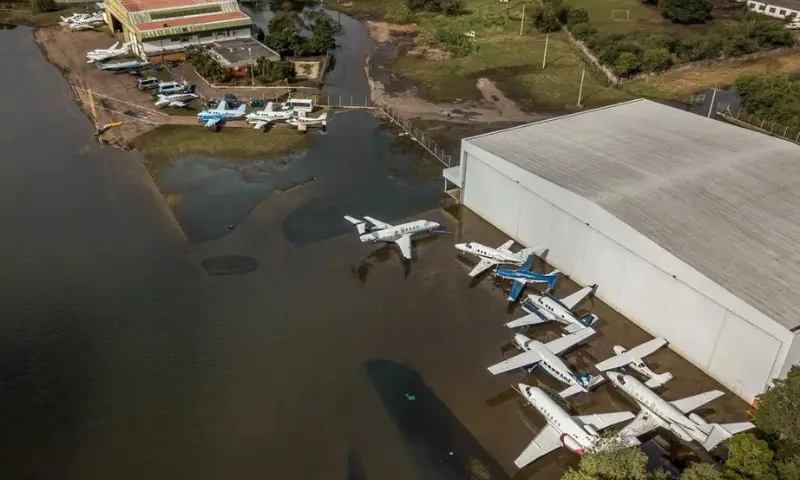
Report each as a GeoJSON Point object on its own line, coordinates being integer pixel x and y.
{"type": "Point", "coordinates": [372, 230]}
{"type": "Point", "coordinates": [577, 433]}
{"type": "Point", "coordinates": [262, 118]}
{"type": "Point", "coordinates": [84, 21]}
{"type": "Point", "coordinates": [490, 257]}
{"type": "Point", "coordinates": [123, 66]}
{"type": "Point", "coordinates": [101, 54]}
{"type": "Point", "coordinates": [547, 308]}
{"type": "Point", "coordinates": [656, 412]}
{"type": "Point", "coordinates": [633, 357]}
{"type": "Point", "coordinates": [177, 100]}
{"type": "Point", "coordinates": [301, 120]}
{"type": "Point", "coordinates": [220, 114]}
{"type": "Point", "coordinates": [525, 275]}
{"type": "Point", "coordinates": [546, 355]}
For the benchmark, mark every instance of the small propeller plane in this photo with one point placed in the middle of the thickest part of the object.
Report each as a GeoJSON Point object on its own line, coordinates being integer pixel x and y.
{"type": "Point", "coordinates": [268, 115]}
{"type": "Point", "coordinates": [490, 257]}
{"type": "Point", "coordinates": [525, 275]}
{"type": "Point", "coordinates": [633, 357]}
{"type": "Point", "coordinates": [220, 114]}
{"type": "Point", "coordinates": [547, 308]}
{"type": "Point", "coordinates": [372, 230]}
{"type": "Point", "coordinates": [177, 100]}
{"type": "Point", "coordinates": [101, 54]}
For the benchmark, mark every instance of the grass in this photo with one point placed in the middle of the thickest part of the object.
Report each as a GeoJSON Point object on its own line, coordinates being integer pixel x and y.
{"type": "Point", "coordinates": [38, 20]}
{"type": "Point", "coordinates": [172, 141]}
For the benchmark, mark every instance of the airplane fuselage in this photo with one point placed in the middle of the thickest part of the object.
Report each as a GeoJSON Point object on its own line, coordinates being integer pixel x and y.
{"type": "Point", "coordinates": [393, 233]}
{"type": "Point", "coordinates": [550, 362]}
{"type": "Point", "coordinates": [574, 436]}
{"type": "Point", "coordinates": [496, 254]}
{"type": "Point", "coordinates": [552, 309]}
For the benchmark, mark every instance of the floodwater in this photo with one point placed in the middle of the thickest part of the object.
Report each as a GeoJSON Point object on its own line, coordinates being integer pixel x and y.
{"type": "Point", "coordinates": [127, 351]}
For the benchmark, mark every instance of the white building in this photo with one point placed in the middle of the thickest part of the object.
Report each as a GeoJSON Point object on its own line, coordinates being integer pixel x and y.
{"type": "Point", "coordinates": [776, 8]}
{"type": "Point", "coordinates": [690, 226]}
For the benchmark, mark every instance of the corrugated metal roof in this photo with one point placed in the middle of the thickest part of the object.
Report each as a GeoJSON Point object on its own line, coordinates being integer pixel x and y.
{"type": "Point", "coordinates": [192, 20]}
{"type": "Point", "coordinates": [723, 199]}
{"type": "Point", "coordinates": [140, 5]}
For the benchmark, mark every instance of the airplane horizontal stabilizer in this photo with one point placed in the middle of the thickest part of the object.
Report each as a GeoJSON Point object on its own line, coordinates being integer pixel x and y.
{"type": "Point", "coordinates": [574, 327]}
{"type": "Point", "coordinates": [658, 380]}
{"type": "Point", "coordinates": [721, 432]}
{"type": "Point", "coordinates": [571, 390]}
{"type": "Point", "coordinates": [516, 289]}
{"type": "Point", "coordinates": [361, 225]}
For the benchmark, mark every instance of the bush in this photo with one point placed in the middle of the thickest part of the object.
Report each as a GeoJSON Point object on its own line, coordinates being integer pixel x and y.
{"type": "Point", "coordinates": [43, 5]}
{"type": "Point", "coordinates": [268, 71]}
{"type": "Point", "coordinates": [582, 31]}
{"type": "Point", "coordinates": [576, 16]}
{"type": "Point", "coordinates": [448, 7]}
{"type": "Point", "coordinates": [550, 15]}
{"type": "Point", "coordinates": [695, 49]}
{"type": "Point", "coordinates": [685, 12]}
{"type": "Point", "coordinates": [627, 64]}
{"type": "Point", "coordinates": [454, 42]}
{"type": "Point", "coordinates": [739, 45]}
{"type": "Point", "coordinates": [656, 60]}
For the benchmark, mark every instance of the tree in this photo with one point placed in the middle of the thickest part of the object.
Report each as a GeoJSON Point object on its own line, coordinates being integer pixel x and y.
{"type": "Point", "coordinates": [269, 71]}
{"type": "Point", "coordinates": [627, 64]}
{"type": "Point", "coordinates": [550, 15]}
{"type": "Point", "coordinates": [685, 12]}
{"type": "Point", "coordinates": [582, 31]}
{"type": "Point", "coordinates": [576, 16]}
{"type": "Point", "coordinates": [613, 459]}
{"type": "Point", "coordinates": [322, 36]}
{"type": "Point", "coordinates": [702, 471]}
{"type": "Point", "coordinates": [749, 457]}
{"type": "Point", "coordinates": [283, 32]}
{"type": "Point", "coordinates": [43, 5]}
{"type": "Point", "coordinates": [656, 60]}
{"type": "Point", "coordinates": [778, 413]}
{"type": "Point", "coordinates": [448, 7]}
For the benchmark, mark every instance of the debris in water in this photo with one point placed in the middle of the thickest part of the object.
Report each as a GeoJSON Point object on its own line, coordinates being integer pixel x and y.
{"type": "Point", "coordinates": [411, 397]}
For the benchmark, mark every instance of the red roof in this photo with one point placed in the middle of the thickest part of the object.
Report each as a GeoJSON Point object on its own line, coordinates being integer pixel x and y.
{"type": "Point", "coordinates": [194, 20]}
{"type": "Point", "coordinates": [140, 5]}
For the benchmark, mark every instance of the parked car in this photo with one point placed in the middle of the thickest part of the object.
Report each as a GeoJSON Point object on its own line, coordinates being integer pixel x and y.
{"type": "Point", "coordinates": [148, 83]}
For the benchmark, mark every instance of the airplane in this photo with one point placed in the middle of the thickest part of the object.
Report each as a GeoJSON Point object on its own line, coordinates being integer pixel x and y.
{"type": "Point", "coordinates": [656, 412]}
{"type": "Point", "coordinates": [547, 308]}
{"type": "Point", "coordinates": [177, 100]}
{"type": "Point", "coordinates": [302, 119]}
{"type": "Point", "coordinates": [83, 21]}
{"type": "Point", "coordinates": [577, 433]}
{"type": "Point", "coordinates": [633, 357]}
{"type": "Point", "coordinates": [377, 231]}
{"type": "Point", "coordinates": [123, 66]}
{"type": "Point", "coordinates": [100, 54]}
{"type": "Point", "coordinates": [546, 355]}
{"type": "Point", "coordinates": [489, 257]}
{"type": "Point", "coordinates": [525, 275]}
{"type": "Point", "coordinates": [262, 118]}
{"type": "Point", "coordinates": [220, 114]}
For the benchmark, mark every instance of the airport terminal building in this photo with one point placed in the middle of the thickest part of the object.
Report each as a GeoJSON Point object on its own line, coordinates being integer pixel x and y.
{"type": "Point", "coordinates": [689, 226]}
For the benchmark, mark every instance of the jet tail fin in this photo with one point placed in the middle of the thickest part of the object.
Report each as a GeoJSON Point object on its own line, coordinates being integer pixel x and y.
{"type": "Point", "coordinates": [191, 88]}
{"type": "Point", "coordinates": [658, 380]}
{"type": "Point", "coordinates": [721, 432]}
{"type": "Point", "coordinates": [361, 225]}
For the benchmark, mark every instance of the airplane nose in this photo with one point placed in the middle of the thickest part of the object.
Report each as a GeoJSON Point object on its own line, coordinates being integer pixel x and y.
{"type": "Point", "coordinates": [461, 246]}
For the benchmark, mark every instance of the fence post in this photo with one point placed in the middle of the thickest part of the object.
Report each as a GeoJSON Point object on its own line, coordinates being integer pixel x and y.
{"type": "Point", "coordinates": [784, 131]}
{"type": "Point", "coordinates": [738, 112]}
{"type": "Point", "coordinates": [797, 138]}
{"type": "Point", "coordinates": [762, 124]}
{"type": "Point", "coordinates": [772, 127]}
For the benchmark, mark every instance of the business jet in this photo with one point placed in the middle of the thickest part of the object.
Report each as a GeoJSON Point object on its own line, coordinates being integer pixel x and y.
{"type": "Point", "coordinates": [547, 308]}
{"type": "Point", "coordinates": [577, 433]}
{"type": "Point", "coordinates": [546, 355]}
{"type": "Point", "coordinates": [656, 412]}
{"type": "Point", "coordinates": [490, 257]}
{"type": "Point", "coordinates": [177, 100]}
{"type": "Point", "coordinates": [525, 275]}
{"type": "Point", "coordinates": [633, 357]}
{"type": "Point", "coordinates": [373, 231]}
{"type": "Point", "coordinates": [101, 54]}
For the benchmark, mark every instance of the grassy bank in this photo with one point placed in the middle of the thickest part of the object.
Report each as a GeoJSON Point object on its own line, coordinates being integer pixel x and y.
{"type": "Point", "coordinates": [173, 141]}
{"type": "Point", "coordinates": [26, 16]}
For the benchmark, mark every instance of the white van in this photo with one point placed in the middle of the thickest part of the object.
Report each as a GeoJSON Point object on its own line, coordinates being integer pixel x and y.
{"type": "Point", "coordinates": [299, 105]}
{"type": "Point", "coordinates": [148, 83]}
{"type": "Point", "coordinates": [167, 88]}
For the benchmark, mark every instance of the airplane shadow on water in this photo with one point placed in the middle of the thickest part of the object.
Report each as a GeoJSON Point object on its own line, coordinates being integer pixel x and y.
{"type": "Point", "coordinates": [441, 447]}
{"type": "Point", "coordinates": [386, 252]}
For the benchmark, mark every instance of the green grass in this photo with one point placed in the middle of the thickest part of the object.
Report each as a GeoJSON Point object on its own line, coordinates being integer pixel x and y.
{"type": "Point", "coordinates": [39, 20]}
{"type": "Point", "coordinates": [172, 141]}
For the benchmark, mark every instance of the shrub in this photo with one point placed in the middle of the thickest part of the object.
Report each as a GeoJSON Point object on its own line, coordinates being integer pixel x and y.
{"type": "Point", "coordinates": [576, 16]}
{"type": "Point", "coordinates": [582, 31]}
{"type": "Point", "coordinates": [454, 42]}
{"type": "Point", "coordinates": [268, 71]}
{"type": "Point", "coordinates": [550, 15]}
{"type": "Point", "coordinates": [627, 64]}
{"type": "Point", "coordinates": [685, 12]}
{"type": "Point", "coordinates": [656, 60]}
{"type": "Point", "coordinates": [448, 7]}
{"type": "Point", "coordinates": [43, 5]}
{"type": "Point", "coordinates": [739, 45]}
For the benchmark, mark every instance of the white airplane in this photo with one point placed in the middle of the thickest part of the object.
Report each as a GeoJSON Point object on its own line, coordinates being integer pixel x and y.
{"type": "Point", "coordinates": [302, 119]}
{"type": "Point", "coordinates": [656, 412]}
{"type": "Point", "coordinates": [377, 231]}
{"type": "Point", "coordinates": [262, 118]}
{"type": "Point", "coordinates": [633, 357]}
{"type": "Point", "coordinates": [84, 21]}
{"type": "Point", "coordinates": [490, 257]}
{"type": "Point", "coordinates": [546, 355]}
{"type": "Point", "coordinates": [577, 433]}
{"type": "Point", "coordinates": [177, 100]}
{"type": "Point", "coordinates": [100, 54]}
{"type": "Point", "coordinates": [547, 308]}
{"type": "Point", "coordinates": [220, 114]}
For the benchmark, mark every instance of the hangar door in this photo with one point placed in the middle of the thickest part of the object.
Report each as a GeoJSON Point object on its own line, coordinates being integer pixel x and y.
{"type": "Point", "coordinates": [491, 194]}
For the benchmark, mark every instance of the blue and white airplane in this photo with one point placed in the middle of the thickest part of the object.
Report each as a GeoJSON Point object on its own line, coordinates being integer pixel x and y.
{"type": "Point", "coordinates": [525, 275]}
{"type": "Point", "coordinates": [547, 308]}
{"type": "Point", "coordinates": [220, 114]}
{"type": "Point", "coordinates": [545, 355]}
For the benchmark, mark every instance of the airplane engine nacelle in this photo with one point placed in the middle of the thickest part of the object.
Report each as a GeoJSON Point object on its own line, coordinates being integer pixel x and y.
{"type": "Point", "coordinates": [572, 444]}
{"type": "Point", "coordinates": [680, 432]}
{"type": "Point", "coordinates": [696, 419]}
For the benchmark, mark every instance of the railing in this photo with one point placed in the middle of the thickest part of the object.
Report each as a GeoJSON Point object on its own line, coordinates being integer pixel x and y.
{"type": "Point", "coordinates": [749, 120]}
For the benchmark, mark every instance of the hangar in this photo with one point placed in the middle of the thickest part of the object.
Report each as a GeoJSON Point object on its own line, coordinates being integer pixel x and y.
{"type": "Point", "coordinates": [689, 226]}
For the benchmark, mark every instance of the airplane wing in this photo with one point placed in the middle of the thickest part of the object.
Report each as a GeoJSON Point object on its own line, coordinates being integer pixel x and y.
{"type": "Point", "coordinates": [259, 124]}
{"type": "Point", "coordinates": [603, 420]}
{"type": "Point", "coordinates": [516, 289]}
{"type": "Point", "coordinates": [629, 356]}
{"type": "Point", "coordinates": [506, 245]}
{"type": "Point", "coordinates": [519, 361]}
{"type": "Point", "coordinates": [211, 122]}
{"type": "Point", "coordinates": [482, 266]}
{"type": "Point", "coordinates": [694, 402]}
{"type": "Point", "coordinates": [533, 318]}
{"type": "Point", "coordinates": [377, 223]}
{"type": "Point", "coordinates": [404, 243]}
{"type": "Point", "coordinates": [113, 47]}
{"type": "Point", "coordinates": [570, 301]}
{"type": "Point", "coordinates": [643, 423]}
{"type": "Point", "coordinates": [547, 440]}
{"type": "Point", "coordinates": [177, 104]}
{"type": "Point", "coordinates": [562, 343]}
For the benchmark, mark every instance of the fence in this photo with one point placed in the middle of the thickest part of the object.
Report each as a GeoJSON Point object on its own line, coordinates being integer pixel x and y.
{"type": "Point", "coordinates": [748, 120]}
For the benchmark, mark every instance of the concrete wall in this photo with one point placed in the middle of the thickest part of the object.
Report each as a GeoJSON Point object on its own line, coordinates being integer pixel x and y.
{"type": "Point", "coordinates": [715, 330]}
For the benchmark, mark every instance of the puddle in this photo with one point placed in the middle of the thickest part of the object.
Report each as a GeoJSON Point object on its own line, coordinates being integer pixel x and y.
{"type": "Point", "coordinates": [229, 265]}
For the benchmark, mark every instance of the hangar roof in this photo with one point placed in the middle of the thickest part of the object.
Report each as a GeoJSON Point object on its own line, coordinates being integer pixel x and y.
{"type": "Point", "coordinates": [723, 199]}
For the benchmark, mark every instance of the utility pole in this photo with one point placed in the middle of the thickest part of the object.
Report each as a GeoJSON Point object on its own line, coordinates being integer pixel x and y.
{"type": "Point", "coordinates": [713, 96]}
{"type": "Point", "coordinates": [252, 72]}
{"type": "Point", "coordinates": [522, 21]}
{"type": "Point", "coordinates": [544, 58]}
{"type": "Point", "coordinates": [580, 90]}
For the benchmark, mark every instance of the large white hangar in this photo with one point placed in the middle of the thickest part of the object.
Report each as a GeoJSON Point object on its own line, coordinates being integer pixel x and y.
{"type": "Point", "coordinates": [690, 226]}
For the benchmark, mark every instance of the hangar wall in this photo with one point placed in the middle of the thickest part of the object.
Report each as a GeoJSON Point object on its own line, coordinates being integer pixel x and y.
{"type": "Point", "coordinates": [718, 332]}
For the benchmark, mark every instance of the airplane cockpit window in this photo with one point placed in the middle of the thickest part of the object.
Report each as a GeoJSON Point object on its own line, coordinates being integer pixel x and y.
{"type": "Point", "coordinates": [621, 380]}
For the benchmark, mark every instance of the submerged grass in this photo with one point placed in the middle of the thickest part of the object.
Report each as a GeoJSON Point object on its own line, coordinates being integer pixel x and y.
{"type": "Point", "coordinates": [172, 141]}
{"type": "Point", "coordinates": [26, 16]}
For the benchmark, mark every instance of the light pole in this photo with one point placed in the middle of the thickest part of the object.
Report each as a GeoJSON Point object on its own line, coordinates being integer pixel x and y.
{"type": "Point", "coordinates": [252, 73]}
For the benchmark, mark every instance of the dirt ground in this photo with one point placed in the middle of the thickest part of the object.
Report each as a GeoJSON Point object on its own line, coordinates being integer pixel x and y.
{"type": "Point", "coordinates": [496, 107]}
